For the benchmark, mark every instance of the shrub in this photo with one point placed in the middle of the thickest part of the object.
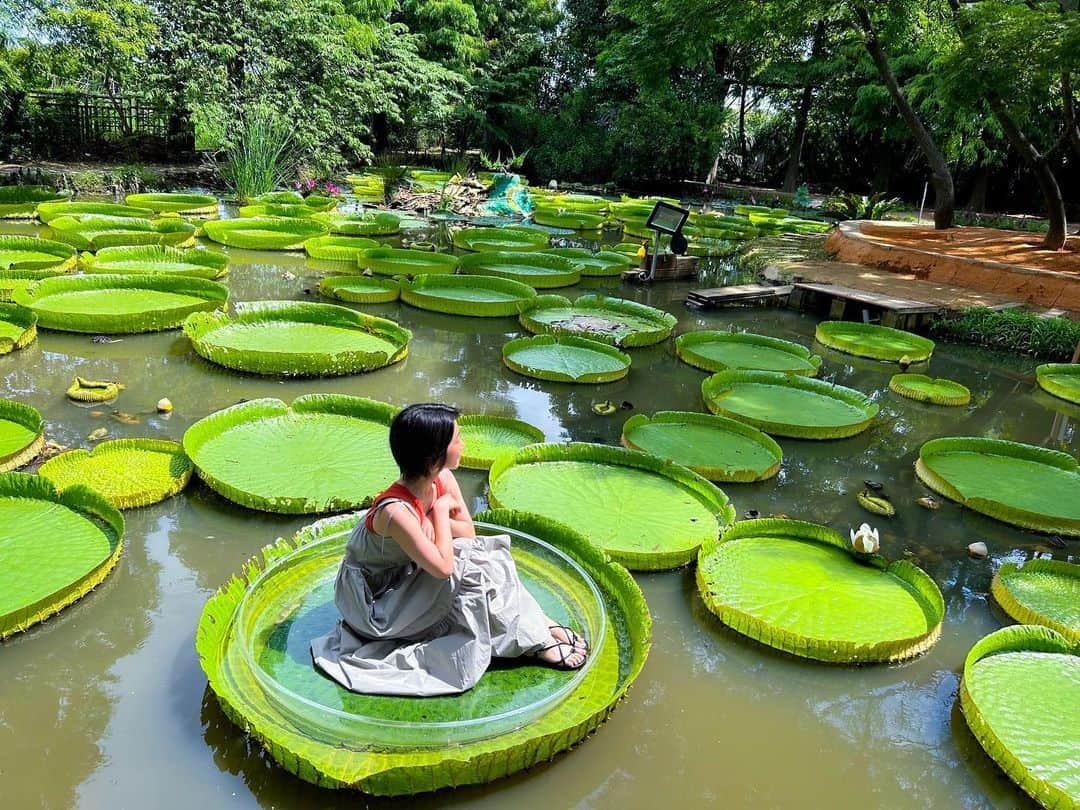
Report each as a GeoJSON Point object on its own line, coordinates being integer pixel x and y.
{"type": "Point", "coordinates": [1015, 330]}
{"type": "Point", "coordinates": [260, 155]}
{"type": "Point", "coordinates": [856, 206]}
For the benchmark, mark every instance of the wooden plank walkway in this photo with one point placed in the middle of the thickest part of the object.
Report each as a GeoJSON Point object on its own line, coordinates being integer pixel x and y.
{"type": "Point", "coordinates": [738, 294]}
{"type": "Point", "coordinates": [847, 302]}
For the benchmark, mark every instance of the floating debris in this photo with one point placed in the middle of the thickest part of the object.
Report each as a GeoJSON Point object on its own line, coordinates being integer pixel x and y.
{"type": "Point", "coordinates": [164, 405]}
{"type": "Point", "coordinates": [928, 502]}
{"type": "Point", "coordinates": [627, 405]}
{"type": "Point", "coordinates": [752, 514]}
{"type": "Point", "coordinates": [97, 435]}
{"type": "Point", "coordinates": [1056, 541]}
{"type": "Point", "coordinates": [97, 414]}
{"type": "Point", "coordinates": [905, 362]}
{"type": "Point", "coordinates": [604, 408]}
{"type": "Point", "coordinates": [126, 418]}
{"type": "Point", "coordinates": [101, 339]}
{"type": "Point", "coordinates": [877, 504]}
{"type": "Point", "coordinates": [865, 539]}
{"type": "Point", "coordinates": [978, 550]}
{"type": "Point", "coordinates": [51, 449]}
{"type": "Point", "coordinates": [288, 276]}
{"type": "Point", "coordinates": [877, 486]}
{"type": "Point", "coordinates": [84, 390]}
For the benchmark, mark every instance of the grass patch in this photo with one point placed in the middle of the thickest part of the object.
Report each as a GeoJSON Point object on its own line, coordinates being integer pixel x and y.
{"type": "Point", "coordinates": [1014, 330]}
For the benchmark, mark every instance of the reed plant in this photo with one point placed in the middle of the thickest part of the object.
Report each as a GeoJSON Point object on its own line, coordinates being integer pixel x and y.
{"type": "Point", "coordinates": [261, 154]}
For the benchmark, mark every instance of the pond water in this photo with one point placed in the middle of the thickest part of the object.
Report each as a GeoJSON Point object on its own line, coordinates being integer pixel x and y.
{"type": "Point", "coordinates": [105, 704]}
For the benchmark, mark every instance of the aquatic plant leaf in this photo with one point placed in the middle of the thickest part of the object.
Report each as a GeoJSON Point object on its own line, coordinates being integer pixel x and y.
{"type": "Point", "coordinates": [119, 304]}
{"type": "Point", "coordinates": [399, 261]}
{"type": "Point", "coordinates": [620, 657]}
{"type": "Point", "coordinates": [647, 513]}
{"type": "Point", "coordinates": [1027, 486]}
{"type": "Point", "coordinates": [48, 211]}
{"type": "Point", "coordinates": [149, 259]}
{"type": "Point", "coordinates": [789, 405]}
{"type": "Point", "coordinates": [537, 269]}
{"type": "Point", "coordinates": [361, 223]}
{"type": "Point", "coordinates": [487, 437]}
{"type": "Point", "coordinates": [297, 339]}
{"type": "Point", "coordinates": [873, 341]}
{"type": "Point", "coordinates": [84, 390]}
{"type": "Point", "coordinates": [798, 587]}
{"type": "Point", "coordinates": [360, 289]}
{"type": "Point", "coordinates": [54, 547]}
{"type": "Point", "coordinates": [93, 232]}
{"type": "Point", "coordinates": [714, 447]}
{"type": "Point", "coordinates": [615, 321]}
{"type": "Point", "coordinates": [553, 216]}
{"type": "Point", "coordinates": [727, 351]}
{"type": "Point", "coordinates": [324, 453]}
{"type": "Point", "coordinates": [1045, 592]}
{"type": "Point", "coordinates": [264, 233]}
{"type": "Point", "coordinates": [31, 253]}
{"type": "Point", "coordinates": [175, 203]}
{"type": "Point", "coordinates": [501, 239]}
{"type": "Point", "coordinates": [1060, 379]}
{"type": "Point", "coordinates": [599, 264]}
{"type": "Point", "coordinates": [338, 248]}
{"type": "Point", "coordinates": [276, 210]}
{"type": "Point", "coordinates": [128, 473]}
{"type": "Point", "coordinates": [1020, 695]}
{"type": "Point", "coordinates": [924, 389]}
{"type": "Point", "coordinates": [565, 359]}
{"type": "Point", "coordinates": [22, 434]}
{"type": "Point", "coordinates": [18, 327]}
{"type": "Point", "coordinates": [20, 202]}
{"type": "Point", "coordinates": [477, 296]}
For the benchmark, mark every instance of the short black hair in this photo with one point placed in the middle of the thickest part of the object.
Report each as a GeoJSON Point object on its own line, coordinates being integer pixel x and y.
{"type": "Point", "coordinates": [419, 437]}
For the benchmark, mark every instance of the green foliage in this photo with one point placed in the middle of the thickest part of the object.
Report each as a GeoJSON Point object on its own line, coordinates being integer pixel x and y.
{"type": "Point", "coordinates": [856, 206]}
{"type": "Point", "coordinates": [1012, 330]}
{"type": "Point", "coordinates": [261, 153]}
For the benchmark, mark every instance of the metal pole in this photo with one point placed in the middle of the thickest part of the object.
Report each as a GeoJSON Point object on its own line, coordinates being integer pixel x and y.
{"type": "Point", "coordinates": [925, 188]}
{"type": "Point", "coordinates": [655, 252]}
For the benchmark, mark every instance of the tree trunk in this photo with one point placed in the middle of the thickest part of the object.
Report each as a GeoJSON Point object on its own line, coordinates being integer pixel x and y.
{"type": "Point", "coordinates": [1055, 205]}
{"type": "Point", "coordinates": [977, 201]}
{"type": "Point", "coordinates": [1072, 126]}
{"type": "Point", "coordinates": [940, 177]}
{"type": "Point", "coordinates": [802, 116]}
{"type": "Point", "coordinates": [742, 133]}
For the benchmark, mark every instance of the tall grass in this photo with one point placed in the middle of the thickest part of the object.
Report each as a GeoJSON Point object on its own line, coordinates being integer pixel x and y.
{"type": "Point", "coordinates": [261, 155]}
{"type": "Point", "coordinates": [1015, 330]}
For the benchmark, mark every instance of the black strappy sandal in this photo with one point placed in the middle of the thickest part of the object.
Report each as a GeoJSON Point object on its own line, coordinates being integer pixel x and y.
{"type": "Point", "coordinates": [572, 637]}
{"type": "Point", "coordinates": [563, 662]}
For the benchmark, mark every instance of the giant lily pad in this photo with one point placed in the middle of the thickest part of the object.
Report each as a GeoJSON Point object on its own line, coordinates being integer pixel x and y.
{"type": "Point", "coordinates": [565, 359]}
{"type": "Point", "coordinates": [601, 263]}
{"type": "Point", "coordinates": [555, 217]}
{"type": "Point", "coordinates": [264, 233]}
{"type": "Point", "coordinates": [714, 447]}
{"type": "Point", "coordinates": [798, 587]}
{"type": "Point", "coordinates": [21, 279]}
{"type": "Point", "coordinates": [487, 437]}
{"type": "Point", "coordinates": [610, 320]}
{"type": "Point", "coordinates": [92, 232]}
{"type": "Point", "coordinates": [584, 203]}
{"type": "Point", "coordinates": [110, 304]}
{"type": "Point", "coordinates": [1045, 592]}
{"type": "Point", "coordinates": [48, 211]}
{"type": "Point", "coordinates": [331, 755]}
{"type": "Point", "coordinates": [870, 340]}
{"type": "Point", "coordinates": [361, 223]}
{"type": "Point", "coordinates": [397, 262]}
{"type": "Point", "coordinates": [31, 253]}
{"type": "Point", "coordinates": [276, 210]}
{"type": "Point", "coordinates": [20, 202]}
{"type": "Point", "coordinates": [324, 453]}
{"type": "Point", "coordinates": [647, 513]}
{"type": "Point", "coordinates": [732, 351]}
{"type": "Point", "coordinates": [360, 289]}
{"type": "Point", "coordinates": [338, 248]}
{"type": "Point", "coordinates": [1020, 696]}
{"type": "Point", "coordinates": [1060, 379]}
{"type": "Point", "coordinates": [314, 202]}
{"type": "Point", "coordinates": [297, 339]}
{"type": "Point", "coordinates": [54, 548]}
{"type": "Point", "coordinates": [480, 296]}
{"type": "Point", "coordinates": [127, 472]}
{"type": "Point", "coordinates": [150, 259]}
{"type": "Point", "coordinates": [18, 327]}
{"type": "Point", "coordinates": [501, 239]}
{"type": "Point", "coordinates": [924, 389]}
{"type": "Point", "coordinates": [1026, 486]}
{"type": "Point", "coordinates": [536, 269]}
{"type": "Point", "coordinates": [789, 405]}
{"type": "Point", "coordinates": [22, 434]}
{"type": "Point", "coordinates": [175, 203]}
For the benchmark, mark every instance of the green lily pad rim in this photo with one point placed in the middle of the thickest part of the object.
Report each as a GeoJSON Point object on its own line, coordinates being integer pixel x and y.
{"type": "Point", "coordinates": [287, 210]}
{"type": "Point", "coordinates": [218, 422]}
{"type": "Point", "coordinates": [94, 232]}
{"type": "Point", "coordinates": [1069, 393]}
{"type": "Point", "coordinates": [75, 456]}
{"type": "Point", "coordinates": [403, 261]}
{"type": "Point", "coordinates": [231, 232]}
{"type": "Point", "coordinates": [385, 289]}
{"type": "Point", "coordinates": [48, 211]}
{"type": "Point", "coordinates": [1016, 639]}
{"type": "Point", "coordinates": [21, 201]}
{"type": "Point", "coordinates": [336, 247]}
{"type": "Point", "coordinates": [174, 202]}
{"type": "Point", "coordinates": [559, 272]}
{"type": "Point", "coordinates": [360, 223]}
{"type": "Point", "coordinates": [215, 262]}
{"type": "Point", "coordinates": [722, 474]}
{"type": "Point", "coordinates": [826, 650]}
{"type": "Point", "coordinates": [473, 462]}
{"type": "Point", "coordinates": [532, 341]}
{"type": "Point", "coordinates": [79, 499]}
{"type": "Point", "coordinates": [30, 418]}
{"type": "Point", "coordinates": [66, 257]}
{"type": "Point", "coordinates": [947, 392]}
{"type": "Point", "coordinates": [724, 379]}
{"type": "Point", "coordinates": [22, 317]}
{"type": "Point", "coordinates": [685, 343]}
{"type": "Point", "coordinates": [1017, 610]}
{"type": "Point", "coordinates": [832, 334]}
{"type": "Point", "coordinates": [594, 264]}
{"type": "Point", "coordinates": [995, 509]}
{"type": "Point", "coordinates": [422, 292]}
{"type": "Point", "coordinates": [663, 322]}
{"type": "Point", "coordinates": [467, 238]}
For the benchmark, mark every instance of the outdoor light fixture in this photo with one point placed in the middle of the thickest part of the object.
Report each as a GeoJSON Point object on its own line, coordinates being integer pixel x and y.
{"type": "Point", "coordinates": [666, 219]}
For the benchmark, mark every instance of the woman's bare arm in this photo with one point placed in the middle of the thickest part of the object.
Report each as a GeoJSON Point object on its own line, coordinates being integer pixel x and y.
{"type": "Point", "coordinates": [400, 522]}
{"type": "Point", "coordinates": [461, 524]}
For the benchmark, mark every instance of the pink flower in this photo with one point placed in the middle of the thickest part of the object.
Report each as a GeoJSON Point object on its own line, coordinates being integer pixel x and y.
{"type": "Point", "coordinates": [310, 184]}
{"type": "Point", "coordinates": [332, 189]}
{"type": "Point", "coordinates": [298, 185]}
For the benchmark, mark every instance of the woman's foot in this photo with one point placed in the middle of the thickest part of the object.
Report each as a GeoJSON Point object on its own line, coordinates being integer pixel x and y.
{"type": "Point", "coordinates": [561, 655]}
{"type": "Point", "coordinates": [566, 635]}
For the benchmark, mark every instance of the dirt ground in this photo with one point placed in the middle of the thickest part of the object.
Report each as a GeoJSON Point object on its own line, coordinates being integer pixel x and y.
{"type": "Point", "coordinates": [987, 244]}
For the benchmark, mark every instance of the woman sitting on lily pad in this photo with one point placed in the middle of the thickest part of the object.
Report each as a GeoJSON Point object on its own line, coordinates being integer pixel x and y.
{"type": "Point", "coordinates": [425, 603]}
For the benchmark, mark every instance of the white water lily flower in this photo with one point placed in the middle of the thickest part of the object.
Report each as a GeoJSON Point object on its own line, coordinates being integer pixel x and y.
{"type": "Point", "coordinates": [865, 540]}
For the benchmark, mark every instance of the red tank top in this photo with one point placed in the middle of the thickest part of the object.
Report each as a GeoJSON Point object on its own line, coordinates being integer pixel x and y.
{"type": "Point", "coordinates": [399, 492]}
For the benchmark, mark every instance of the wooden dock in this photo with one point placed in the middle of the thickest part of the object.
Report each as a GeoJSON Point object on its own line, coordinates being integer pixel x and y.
{"type": "Point", "coordinates": [668, 268]}
{"type": "Point", "coordinates": [848, 303]}
{"type": "Point", "coordinates": [739, 294]}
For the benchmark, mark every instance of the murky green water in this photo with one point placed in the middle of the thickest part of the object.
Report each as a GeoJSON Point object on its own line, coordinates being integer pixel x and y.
{"type": "Point", "coordinates": [105, 704]}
